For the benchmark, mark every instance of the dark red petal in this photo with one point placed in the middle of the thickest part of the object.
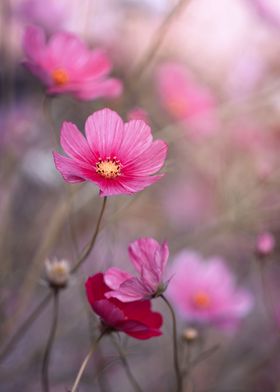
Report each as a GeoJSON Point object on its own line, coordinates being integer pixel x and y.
{"type": "Point", "coordinates": [96, 288]}
{"type": "Point", "coordinates": [137, 329]}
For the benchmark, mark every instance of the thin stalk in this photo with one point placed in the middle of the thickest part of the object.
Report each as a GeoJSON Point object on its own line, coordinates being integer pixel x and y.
{"type": "Point", "coordinates": [127, 369]}
{"type": "Point", "coordinates": [158, 39]}
{"type": "Point", "coordinates": [85, 362]}
{"type": "Point", "coordinates": [175, 346]}
{"type": "Point", "coordinates": [47, 353]}
{"type": "Point", "coordinates": [89, 247]}
{"type": "Point", "coordinates": [25, 326]}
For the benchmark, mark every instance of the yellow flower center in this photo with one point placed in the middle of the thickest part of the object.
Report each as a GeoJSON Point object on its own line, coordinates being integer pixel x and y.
{"type": "Point", "coordinates": [108, 168]}
{"type": "Point", "coordinates": [177, 107]}
{"type": "Point", "coordinates": [60, 77]}
{"type": "Point", "coordinates": [201, 300]}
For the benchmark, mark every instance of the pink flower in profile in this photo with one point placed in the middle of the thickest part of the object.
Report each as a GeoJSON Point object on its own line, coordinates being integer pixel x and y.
{"type": "Point", "coordinates": [149, 258]}
{"type": "Point", "coordinates": [185, 100]}
{"type": "Point", "coordinates": [120, 158]}
{"type": "Point", "coordinates": [66, 66]}
{"type": "Point", "coordinates": [265, 244]}
{"type": "Point", "coordinates": [204, 291]}
{"type": "Point", "coordinates": [136, 319]}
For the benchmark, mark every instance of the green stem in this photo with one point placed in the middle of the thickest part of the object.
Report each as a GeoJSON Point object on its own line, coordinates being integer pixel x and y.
{"type": "Point", "coordinates": [85, 362]}
{"type": "Point", "coordinates": [175, 345]}
{"type": "Point", "coordinates": [89, 247]}
{"type": "Point", "coordinates": [127, 369]}
{"type": "Point", "coordinates": [47, 353]}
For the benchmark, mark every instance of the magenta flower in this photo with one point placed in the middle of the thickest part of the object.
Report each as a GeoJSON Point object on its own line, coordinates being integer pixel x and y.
{"type": "Point", "coordinates": [265, 244]}
{"type": "Point", "coordinates": [185, 100]}
{"type": "Point", "coordinates": [205, 291]}
{"type": "Point", "coordinates": [120, 158]}
{"type": "Point", "coordinates": [66, 66]}
{"type": "Point", "coordinates": [149, 258]}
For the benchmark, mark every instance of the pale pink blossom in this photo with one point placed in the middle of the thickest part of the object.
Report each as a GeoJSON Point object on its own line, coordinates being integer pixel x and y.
{"type": "Point", "coordinates": [204, 291]}
{"type": "Point", "coordinates": [185, 100]}
{"type": "Point", "coordinates": [149, 259]}
{"type": "Point", "coordinates": [120, 158]}
{"type": "Point", "coordinates": [66, 66]}
{"type": "Point", "coordinates": [265, 244]}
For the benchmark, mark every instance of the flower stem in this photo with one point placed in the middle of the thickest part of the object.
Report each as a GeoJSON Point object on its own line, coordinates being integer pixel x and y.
{"type": "Point", "coordinates": [175, 345]}
{"type": "Point", "coordinates": [25, 326]}
{"type": "Point", "coordinates": [89, 247]}
{"type": "Point", "coordinates": [47, 353]}
{"type": "Point", "coordinates": [85, 362]}
{"type": "Point", "coordinates": [127, 369]}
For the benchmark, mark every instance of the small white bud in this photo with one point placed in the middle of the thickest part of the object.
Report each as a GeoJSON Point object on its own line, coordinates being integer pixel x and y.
{"type": "Point", "coordinates": [57, 272]}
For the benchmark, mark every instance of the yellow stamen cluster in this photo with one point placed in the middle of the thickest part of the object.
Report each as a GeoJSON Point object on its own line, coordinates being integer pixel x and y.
{"type": "Point", "coordinates": [201, 300]}
{"type": "Point", "coordinates": [60, 77]}
{"type": "Point", "coordinates": [108, 168]}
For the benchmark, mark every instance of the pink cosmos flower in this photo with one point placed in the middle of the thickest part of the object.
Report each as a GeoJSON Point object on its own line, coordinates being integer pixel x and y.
{"type": "Point", "coordinates": [66, 66]}
{"type": "Point", "coordinates": [204, 291]}
{"type": "Point", "coordinates": [149, 258]}
{"type": "Point", "coordinates": [185, 100]}
{"type": "Point", "coordinates": [120, 158]}
{"type": "Point", "coordinates": [136, 319]}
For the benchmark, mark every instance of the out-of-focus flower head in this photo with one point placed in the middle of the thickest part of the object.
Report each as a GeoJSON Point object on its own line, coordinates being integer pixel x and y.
{"type": "Point", "coordinates": [58, 273]}
{"type": "Point", "coordinates": [204, 291]}
{"type": "Point", "coordinates": [265, 244]}
{"type": "Point", "coordinates": [120, 158]}
{"type": "Point", "coordinates": [185, 100]}
{"type": "Point", "coordinates": [136, 319]}
{"type": "Point", "coordinates": [66, 66]}
{"type": "Point", "coordinates": [138, 113]}
{"type": "Point", "coordinates": [149, 258]}
{"type": "Point", "coordinates": [268, 10]}
{"type": "Point", "coordinates": [51, 15]}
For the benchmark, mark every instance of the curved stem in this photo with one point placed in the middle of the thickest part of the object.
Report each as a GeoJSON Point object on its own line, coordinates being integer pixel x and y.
{"type": "Point", "coordinates": [127, 369]}
{"type": "Point", "coordinates": [175, 345]}
{"type": "Point", "coordinates": [85, 362]}
{"type": "Point", "coordinates": [47, 353]}
{"type": "Point", "coordinates": [25, 326]}
{"type": "Point", "coordinates": [89, 247]}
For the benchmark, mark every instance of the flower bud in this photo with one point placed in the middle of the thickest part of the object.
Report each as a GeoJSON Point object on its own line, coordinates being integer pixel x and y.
{"type": "Point", "coordinates": [58, 273]}
{"type": "Point", "coordinates": [265, 244]}
{"type": "Point", "coordinates": [190, 334]}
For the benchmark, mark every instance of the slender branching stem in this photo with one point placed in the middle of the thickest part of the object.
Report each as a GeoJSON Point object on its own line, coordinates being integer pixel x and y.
{"type": "Point", "coordinates": [127, 369]}
{"type": "Point", "coordinates": [85, 362]}
{"type": "Point", "coordinates": [158, 39]}
{"type": "Point", "coordinates": [25, 326]}
{"type": "Point", "coordinates": [89, 247]}
{"type": "Point", "coordinates": [175, 345]}
{"type": "Point", "coordinates": [47, 353]}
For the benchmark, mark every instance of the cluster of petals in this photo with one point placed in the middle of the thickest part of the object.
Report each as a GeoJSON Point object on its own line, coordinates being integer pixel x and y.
{"type": "Point", "coordinates": [120, 158]}
{"type": "Point", "coordinates": [136, 319]}
{"type": "Point", "coordinates": [149, 259]}
{"type": "Point", "coordinates": [66, 66]}
{"type": "Point", "coordinates": [186, 100]}
{"type": "Point", "coordinates": [205, 292]}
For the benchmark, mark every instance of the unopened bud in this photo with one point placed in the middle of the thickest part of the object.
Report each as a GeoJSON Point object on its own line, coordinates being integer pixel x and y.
{"type": "Point", "coordinates": [58, 273]}
{"type": "Point", "coordinates": [265, 244]}
{"type": "Point", "coordinates": [190, 334]}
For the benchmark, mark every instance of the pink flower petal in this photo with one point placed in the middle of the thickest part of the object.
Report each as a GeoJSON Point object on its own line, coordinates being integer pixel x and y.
{"type": "Point", "coordinates": [114, 277]}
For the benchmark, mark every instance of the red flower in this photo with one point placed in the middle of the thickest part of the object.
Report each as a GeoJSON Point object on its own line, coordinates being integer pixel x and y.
{"type": "Point", "coordinates": [135, 318]}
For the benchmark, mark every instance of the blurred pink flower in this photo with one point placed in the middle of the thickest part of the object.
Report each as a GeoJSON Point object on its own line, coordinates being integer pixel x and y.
{"type": "Point", "coordinates": [120, 158]}
{"type": "Point", "coordinates": [149, 258]}
{"type": "Point", "coordinates": [265, 244]}
{"type": "Point", "coordinates": [185, 100]}
{"type": "Point", "coordinates": [50, 15]}
{"type": "Point", "coordinates": [138, 113]}
{"type": "Point", "coordinates": [135, 319]}
{"type": "Point", "coordinates": [205, 292]}
{"type": "Point", "coordinates": [269, 10]}
{"type": "Point", "coordinates": [66, 66]}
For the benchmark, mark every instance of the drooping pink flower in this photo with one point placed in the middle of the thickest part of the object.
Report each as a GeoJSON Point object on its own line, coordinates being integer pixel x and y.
{"type": "Point", "coordinates": [149, 258]}
{"type": "Point", "coordinates": [136, 319]}
{"type": "Point", "coordinates": [204, 291]}
{"type": "Point", "coordinates": [185, 100]}
{"type": "Point", "coordinates": [265, 244]}
{"type": "Point", "coordinates": [66, 66]}
{"type": "Point", "coordinates": [120, 158]}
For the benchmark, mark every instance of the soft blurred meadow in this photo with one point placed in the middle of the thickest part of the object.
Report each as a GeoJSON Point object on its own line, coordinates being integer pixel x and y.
{"type": "Point", "coordinates": [205, 75]}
